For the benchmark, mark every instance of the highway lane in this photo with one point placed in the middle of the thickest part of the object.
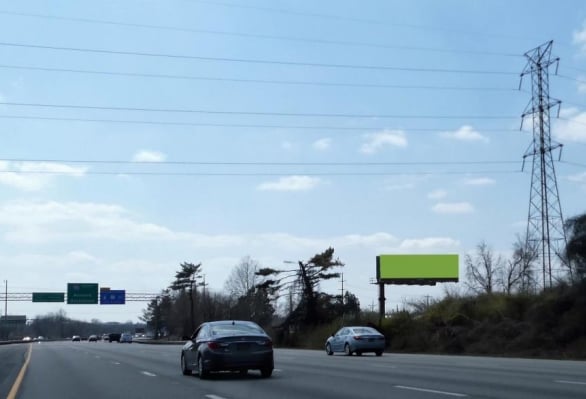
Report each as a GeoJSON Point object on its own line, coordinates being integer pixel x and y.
{"type": "Point", "coordinates": [102, 370]}
{"type": "Point", "coordinates": [11, 360]}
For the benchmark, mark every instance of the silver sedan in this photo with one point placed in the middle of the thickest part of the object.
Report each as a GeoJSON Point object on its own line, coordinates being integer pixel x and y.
{"type": "Point", "coordinates": [356, 339]}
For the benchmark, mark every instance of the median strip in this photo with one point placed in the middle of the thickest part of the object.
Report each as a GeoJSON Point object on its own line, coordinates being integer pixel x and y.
{"type": "Point", "coordinates": [16, 386]}
{"type": "Point", "coordinates": [460, 395]}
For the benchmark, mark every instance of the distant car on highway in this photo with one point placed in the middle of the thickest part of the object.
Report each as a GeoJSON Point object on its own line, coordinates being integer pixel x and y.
{"type": "Point", "coordinates": [126, 337]}
{"type": "Point", "coordinates": [76, 338]}
{"type": "Point", "coordinates": [232, 345]}
{"type": "Point", "coordinates": [356, 340]}
{"type": "Point", "coordinates": [114, 337]}
{"type": "Point", "coordinates": [93, 338]}
{"type": "Point", "coordinates": [26, 339]}
{"type": "Point", "coordinates": [105, 337]}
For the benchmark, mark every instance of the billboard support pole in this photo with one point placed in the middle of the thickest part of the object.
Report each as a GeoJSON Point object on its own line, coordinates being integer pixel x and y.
{"type": "Point", "coordinates": [381, 303]}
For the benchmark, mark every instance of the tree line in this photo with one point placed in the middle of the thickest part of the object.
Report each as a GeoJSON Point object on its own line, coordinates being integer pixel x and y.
{"type": "Point", "coordinates": [285, 300]}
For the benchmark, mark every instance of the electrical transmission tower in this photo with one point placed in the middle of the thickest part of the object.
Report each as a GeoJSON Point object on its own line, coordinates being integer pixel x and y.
{"type": "Point", "coordinates": [545, 225]}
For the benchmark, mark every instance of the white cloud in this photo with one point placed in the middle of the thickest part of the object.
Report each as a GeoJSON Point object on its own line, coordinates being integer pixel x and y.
{"type": "Point", "coordinates": [465, 133]}
{"type": "Point", "coordinates": [377, 141]}
{"type": "Point", "coordinates": [34, 176]}
{"type": "Point", "coordinates": [453, 207]}
{"type": "Point", "coordinates": [437, 194]}
{"type": "Point", "coordinates": [571, 127]}
{"type": "Point", "coordinates": [149, 156]}
{"type": "Point", "coordinates": [429, 243]}
{"type": "Point", "coordinates": [322, 144]}
{"type": "Point", "coordinates": [579, 38]}
{"type": "Point", "coordinates": [291, 183]}
{"type": "Point", "coordinates": [479, 181]}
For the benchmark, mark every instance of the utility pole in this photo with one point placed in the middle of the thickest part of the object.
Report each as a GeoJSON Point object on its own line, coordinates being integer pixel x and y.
{"type": "Point", "coordinates": [545, 224]}
{"type": "Point", "coordinates": [342, 297]}
{"type": "Point", "coordinates": [6, 300]}
{"type": "Point", "coordinates": [204, 300]}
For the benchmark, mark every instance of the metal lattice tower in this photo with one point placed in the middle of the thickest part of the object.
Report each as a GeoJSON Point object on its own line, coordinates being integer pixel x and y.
{"type": "Point", "coordinates": [545, 225]}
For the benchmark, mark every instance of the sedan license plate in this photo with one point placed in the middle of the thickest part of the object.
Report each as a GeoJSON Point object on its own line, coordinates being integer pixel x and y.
{"type": "Point", "coordinates": [241, 347]}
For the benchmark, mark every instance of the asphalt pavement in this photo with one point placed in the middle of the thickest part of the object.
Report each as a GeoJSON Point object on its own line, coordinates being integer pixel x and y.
{"type": "Point", "coordinates": [12, 358]}
{"type": "Point", "coordinates": [102, 370]}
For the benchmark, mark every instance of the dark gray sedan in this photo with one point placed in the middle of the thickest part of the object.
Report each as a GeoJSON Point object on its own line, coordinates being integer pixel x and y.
{"type": "Point", "coordinates": [232, 345]}
{"type": "Point", "coordinates": [356, 340]}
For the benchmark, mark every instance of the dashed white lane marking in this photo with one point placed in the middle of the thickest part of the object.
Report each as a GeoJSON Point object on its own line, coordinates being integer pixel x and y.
{"type": "Point", "coordinates": [212, 396]}
{"type": "Point", "coordinates": [278, 370]}
{"type": "Point", "coordinates": [460, 395]}
{"type": "Point", "coordinates": [116, 363]}
{"type": "Point", "coordinates": [98, 357]}
{"type": "Point", "coordinates": [148, 374]}
{"type": "Point", "coordinates": [570, 382]}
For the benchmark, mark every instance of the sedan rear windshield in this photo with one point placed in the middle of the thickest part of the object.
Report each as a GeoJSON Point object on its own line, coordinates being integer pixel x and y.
{"type": "Point", "coordinates": [365, 330]}
{"type": "Point", "coordinates": [231, 329]}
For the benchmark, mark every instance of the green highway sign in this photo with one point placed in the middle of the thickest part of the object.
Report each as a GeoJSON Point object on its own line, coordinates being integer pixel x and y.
{"type": "Point", "coordinates": [48, 297]}
{"type": "Point", "coordinates": [82, 293]}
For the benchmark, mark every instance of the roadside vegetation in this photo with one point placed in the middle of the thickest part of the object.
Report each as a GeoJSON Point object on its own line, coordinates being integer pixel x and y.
{"type": "Point", "coordinates": [501, 308]}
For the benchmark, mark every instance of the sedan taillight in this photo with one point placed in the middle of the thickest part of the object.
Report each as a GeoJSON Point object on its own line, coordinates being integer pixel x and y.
{"type": "Point", "coordinates": [357, 337]}
{"type": "Point", "coordinates": [216, 345]}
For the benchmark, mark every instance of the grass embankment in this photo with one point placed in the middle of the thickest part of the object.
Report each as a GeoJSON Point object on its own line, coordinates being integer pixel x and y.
{"type": "Point", "coordinates": [550, 324]}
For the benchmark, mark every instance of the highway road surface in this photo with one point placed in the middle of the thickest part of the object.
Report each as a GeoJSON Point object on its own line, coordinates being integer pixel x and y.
{"type": "Point", "coordinates": [101, 370]}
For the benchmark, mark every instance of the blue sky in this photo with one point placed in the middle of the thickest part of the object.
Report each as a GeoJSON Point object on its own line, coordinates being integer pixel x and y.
{"type": "Point", "coordinates": [379, 95]}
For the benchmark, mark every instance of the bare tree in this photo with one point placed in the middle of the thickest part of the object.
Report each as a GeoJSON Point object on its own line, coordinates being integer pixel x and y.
{"type": "Point", "coordinates": [518, 274]}
{"type": "Point", "coordinates": [242, 277]}
{"type": "Point", "coordinates": [483, 269]}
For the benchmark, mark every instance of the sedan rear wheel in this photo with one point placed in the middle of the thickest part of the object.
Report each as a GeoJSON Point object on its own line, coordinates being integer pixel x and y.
{"type": "Point", "coordinates": [347, 350]}
{"type": "Point", "coordinates": [184, 368]}
{"type": "Point", "coordinates": [266, 373]}
{"type": "Point", "coordinates": [329, 349]}
{"type": "Point", "coordinates": [201, 371]}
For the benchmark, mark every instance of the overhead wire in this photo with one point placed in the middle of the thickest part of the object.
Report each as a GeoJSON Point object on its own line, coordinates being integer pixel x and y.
{"type": "Point", "coordinates": [258, 163]}
{"type": "Point", "coordinates": [355, 19]}
{"type": "Point", "coordinates": [261, 81]}
{"type": "Point", "coordinates": [252, 113]}
{"type": "Point", "coordinates": [236, 125]}
{"type": "Point", "coordinates": [256, 61]}
{"type": "Point", "coordinates": [255, 35]}
{"type": "Point", "coordinates": [251, 174]}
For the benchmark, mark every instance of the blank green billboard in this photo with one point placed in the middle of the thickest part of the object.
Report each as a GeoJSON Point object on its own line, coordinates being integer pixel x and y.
{"type": "Point", "coordinates": [416, 269]}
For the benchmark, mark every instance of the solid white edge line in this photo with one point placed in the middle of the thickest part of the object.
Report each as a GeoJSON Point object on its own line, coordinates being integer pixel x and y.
{"type": "Point", "coordinates": [570, 382]}
{"type": "Point", "coordinates": [460, 395]}
{"type": "Point", "coordinates": [212, 396]}
{"type": "Point", "coordinates": [148, 374]}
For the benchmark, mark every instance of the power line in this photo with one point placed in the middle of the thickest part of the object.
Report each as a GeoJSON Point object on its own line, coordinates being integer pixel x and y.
{"type": "Point", "coordinates": [256, 35]}
{"type": "Point", "coordinates": [259, 163]}
{"type": "Point", "coordinates": [354, 19]}
{"type": "Point", "coordinates": [263, 81]}
{"type": "Point", "coordinates": [237, 125]}
{"type": "Point", "coordinates": [252, 113]}
{"type": "Point", "coordinates": [256, 61]}
{"type": "Point", "coordinates": [258, 174]}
